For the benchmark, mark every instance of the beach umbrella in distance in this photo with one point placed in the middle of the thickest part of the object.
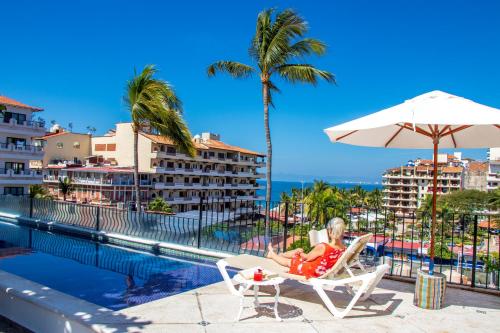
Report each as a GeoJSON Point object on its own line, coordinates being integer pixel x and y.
{"type": "Point", "coordinates": [430, 121]}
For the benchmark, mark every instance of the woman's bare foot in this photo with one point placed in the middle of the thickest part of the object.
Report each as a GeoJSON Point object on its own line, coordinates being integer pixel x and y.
{"type": "Point", "coordinates": [270, 251]}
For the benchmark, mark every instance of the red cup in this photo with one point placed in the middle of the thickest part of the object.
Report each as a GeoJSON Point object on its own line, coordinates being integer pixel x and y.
{"type": "Point", "coordinates": [257, 275]}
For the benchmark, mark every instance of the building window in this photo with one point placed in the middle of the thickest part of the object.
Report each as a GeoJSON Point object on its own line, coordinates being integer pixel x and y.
{"type": "Point", "coordinates": [13, 190]}
{"type": "Point", "coordinates": [100, 147]}
{"type": "Point", "coordinates": [59, 145]}
{"type": "Point", "coordinates": [18, 117]}
{"type": "Point", "coordinates": [18, 142]}
{"type": "Point", "coordinates": [111, 147]}
{"type": "Point", "coordinates": [76, 145]}
{"type": "Point", "coordinates": [18, 168]}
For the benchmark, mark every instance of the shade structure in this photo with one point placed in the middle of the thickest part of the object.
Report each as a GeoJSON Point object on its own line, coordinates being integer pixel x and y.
{"type": "Point", "coordinates": [430, 121]}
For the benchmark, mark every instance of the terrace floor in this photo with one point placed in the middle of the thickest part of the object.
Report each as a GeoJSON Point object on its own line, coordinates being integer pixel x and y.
{"type": "Point", "coordinates": [390, 309]}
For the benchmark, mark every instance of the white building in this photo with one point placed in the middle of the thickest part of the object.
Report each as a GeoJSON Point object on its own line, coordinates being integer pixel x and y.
{"type": "Point", "coordinates": [224, 176]}
{"type": "Point", "coordinates": [493, 176]}
{"type": "Point", "coordinates": [406, 186]}
{"type": "Point", "coordinates": [17, 131]}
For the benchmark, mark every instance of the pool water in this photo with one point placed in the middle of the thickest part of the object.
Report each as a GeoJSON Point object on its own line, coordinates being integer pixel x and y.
{"type": "Point", "coordinates": [110, 276]}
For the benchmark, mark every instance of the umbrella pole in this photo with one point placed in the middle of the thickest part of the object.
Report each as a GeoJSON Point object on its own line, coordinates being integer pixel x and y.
{"type": "Point", "coordinates": [434, 199]}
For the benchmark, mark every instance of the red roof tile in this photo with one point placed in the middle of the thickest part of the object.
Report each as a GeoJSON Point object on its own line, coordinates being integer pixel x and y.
{"type": "Point", "coordinates": [11, 102]}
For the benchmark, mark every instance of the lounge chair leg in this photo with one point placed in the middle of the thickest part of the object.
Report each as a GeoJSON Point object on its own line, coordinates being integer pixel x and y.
{"type": "Point", "coordinates": [276, 299]}
{"type": "Point", "coordinates": [241, 290]}
{"type": "Point", "coordinates": [331, 307]}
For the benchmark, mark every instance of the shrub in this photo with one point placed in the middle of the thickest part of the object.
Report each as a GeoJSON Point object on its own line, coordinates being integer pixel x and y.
{"type": "Point", "coordinates": [159, 205]}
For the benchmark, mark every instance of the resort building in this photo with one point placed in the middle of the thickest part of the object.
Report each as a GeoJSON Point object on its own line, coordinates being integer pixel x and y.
{"type": "Point", "coordinates": [65, 148]}
{"type": "Point", "coordinates": [219, 173]}
{"type": "Point", "coordinates": [99, 184]}
{"type": "Point", "coordinates": [224, 176]}
{"type": "Point", "coordinates": [475, 176]}
{"type": "Point", "coordinates": [406, 186]}
{"type": "Point", "coordinates": [493, 176]}
{"type": "Point", "coordinates": [17, 148]}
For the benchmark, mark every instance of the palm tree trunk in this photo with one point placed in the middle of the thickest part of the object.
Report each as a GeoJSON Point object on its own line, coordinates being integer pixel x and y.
{"type": "Point", "coordinates": [265, 99]}
{"type": "Point", "coordinates": [136, 170]}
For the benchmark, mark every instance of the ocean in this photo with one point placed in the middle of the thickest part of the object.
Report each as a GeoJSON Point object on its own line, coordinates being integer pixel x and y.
{"type": "Point", "coordinates": [280, 186]}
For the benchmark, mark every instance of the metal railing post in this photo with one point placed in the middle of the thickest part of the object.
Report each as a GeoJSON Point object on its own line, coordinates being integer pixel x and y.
{"type": "Point", "coordinates": [200, 217]}
{"type": "Point", "coordinates": [31, 207]}
{"type": "Point", "coordinates": [474, 253]}
{"type": "Point", "coordinates": [285, 227]}
{"type": "Point", "coordinates": [97, 218]}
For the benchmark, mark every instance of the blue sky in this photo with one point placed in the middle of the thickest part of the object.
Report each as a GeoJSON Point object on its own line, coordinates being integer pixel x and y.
{"type": "Point", "coordinates": [73, 59]}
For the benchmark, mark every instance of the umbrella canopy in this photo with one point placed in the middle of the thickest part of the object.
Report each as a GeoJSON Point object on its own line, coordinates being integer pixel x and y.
{"type": "Point", "coordinates": [459, 122]}
{"type": "Point", "coordinates": [432, 120]}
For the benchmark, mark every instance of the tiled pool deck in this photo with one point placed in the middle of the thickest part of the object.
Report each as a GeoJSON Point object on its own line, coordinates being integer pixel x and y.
{"type": "Point", "coordinates": [390, 309]}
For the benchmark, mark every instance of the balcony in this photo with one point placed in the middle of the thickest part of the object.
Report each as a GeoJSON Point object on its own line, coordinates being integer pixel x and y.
{"type": "Point", "coordinates": [20, 177]}
{"type": "Point", "coordinates": [27, 127]}
{"type": "Point", "coordinates": [215, 159]}
{"type": "Point", "coordinates": [10, 150]}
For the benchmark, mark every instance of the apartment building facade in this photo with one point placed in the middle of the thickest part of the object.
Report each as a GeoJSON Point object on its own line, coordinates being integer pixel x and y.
{"type": "Point", "coordinates": [18, 147]}
{"type": "Point", "coordinates": [97, 183]}
{"type": "Point", "coordinates": [224, 176]}
{"type": "Point", "coordinates": [65, 148]}
{"type": "Point", "coordinates": [493, 176]}
{"type": "Point", "coordinates": [405, 187]}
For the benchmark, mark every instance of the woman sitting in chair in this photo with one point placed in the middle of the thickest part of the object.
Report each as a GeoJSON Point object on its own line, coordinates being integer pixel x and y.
{"type": "Point", "coordinates": [321, 258]}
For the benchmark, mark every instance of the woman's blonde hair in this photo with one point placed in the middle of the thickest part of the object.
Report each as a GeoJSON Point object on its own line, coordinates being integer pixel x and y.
{"type": "Point", "coordinates": [336, 227]}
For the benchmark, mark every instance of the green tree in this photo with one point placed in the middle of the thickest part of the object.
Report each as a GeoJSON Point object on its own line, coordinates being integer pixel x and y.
{"type": "Point", "coordinates": [441, 250]}
{"type": "Point", "coordinates": [65, 186]}
{"type": "Point", "coordinates": [491, 261]}
{"type": "Point", "coordinates": [39, 192]}
{"type": "Point", "coordinates": [323, 203]}
{"type": "Point", "coordinates": [159, 205]}
{"type": "Point", "coordinates": [375, 199]}
{"type": "Point", "coordinates": [466, 201]}
{"type": "Point", "coordinates": [359, 196]}
{"type": "Point", "coordinates": [277, 48]}
{"type": "Point", "coordinates": [154, 107]}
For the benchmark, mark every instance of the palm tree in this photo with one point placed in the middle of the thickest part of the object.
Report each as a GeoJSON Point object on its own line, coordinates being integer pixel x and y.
{"type": "Point", "coordinates": [39, 192]}
{"type": "Point", "coordinates": [154, 107]}
{"type": "Point", "coordinates": [323, 205]}
{"type": "Point", "coordinates": [375, 199]}
{"type": "Point", "coordinates": [65, 186]}
{"type": "Point", "coordinates": [277, 48]}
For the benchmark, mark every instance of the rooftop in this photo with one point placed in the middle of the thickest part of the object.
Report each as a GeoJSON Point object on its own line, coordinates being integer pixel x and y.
{"type": "Point", "coordinates": [4, 100]}
{"type": "Point", "coordinates": [203, 145]}
{"type": "Point", "coordinates": [389, 309]}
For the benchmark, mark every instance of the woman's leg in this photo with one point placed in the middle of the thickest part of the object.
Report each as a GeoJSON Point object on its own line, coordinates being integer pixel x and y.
{"type": "Point", "coordinates": [279, 259]}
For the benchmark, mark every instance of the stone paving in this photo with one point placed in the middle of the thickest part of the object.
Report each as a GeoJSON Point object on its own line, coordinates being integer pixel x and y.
{"type": "Point", "coordinates": [389, 309]}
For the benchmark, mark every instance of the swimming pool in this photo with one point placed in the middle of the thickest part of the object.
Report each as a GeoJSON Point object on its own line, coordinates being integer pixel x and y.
{"type": "Point", "coordinates": [106, 275]}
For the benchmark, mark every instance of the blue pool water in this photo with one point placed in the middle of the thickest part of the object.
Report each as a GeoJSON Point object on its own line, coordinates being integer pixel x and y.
{"type": "Point", "coordinates": [106, 275]}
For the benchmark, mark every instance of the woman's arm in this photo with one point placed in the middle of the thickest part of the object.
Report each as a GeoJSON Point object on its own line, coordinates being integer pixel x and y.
{"type": "Point", "coordinates": [316, 252]}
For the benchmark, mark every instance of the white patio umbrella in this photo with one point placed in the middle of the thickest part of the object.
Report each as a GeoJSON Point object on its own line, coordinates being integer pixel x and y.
{"type": "Point", "coordinates": [434, 119]}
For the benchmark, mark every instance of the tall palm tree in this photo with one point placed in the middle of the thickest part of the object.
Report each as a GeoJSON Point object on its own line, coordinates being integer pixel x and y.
{"type": "Point", "coordinates": [154, 107]}
{"type": "Point", "coordinates": [277, 48]}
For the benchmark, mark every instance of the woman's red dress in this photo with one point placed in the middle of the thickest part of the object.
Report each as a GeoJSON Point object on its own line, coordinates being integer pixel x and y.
{"type": "Point", "coordinates": [318, 266]}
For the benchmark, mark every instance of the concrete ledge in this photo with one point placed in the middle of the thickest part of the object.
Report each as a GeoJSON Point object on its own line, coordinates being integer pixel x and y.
{"type": "Point", "coordinates": [51, 311]}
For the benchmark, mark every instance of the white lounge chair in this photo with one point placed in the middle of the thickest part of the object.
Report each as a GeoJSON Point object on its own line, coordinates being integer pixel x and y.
{"type": "Point", "coordinates": [360, 286]}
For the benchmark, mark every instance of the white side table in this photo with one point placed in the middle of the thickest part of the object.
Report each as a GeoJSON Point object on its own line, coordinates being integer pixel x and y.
{"type": "Point", "coordinates": [247, 284]}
